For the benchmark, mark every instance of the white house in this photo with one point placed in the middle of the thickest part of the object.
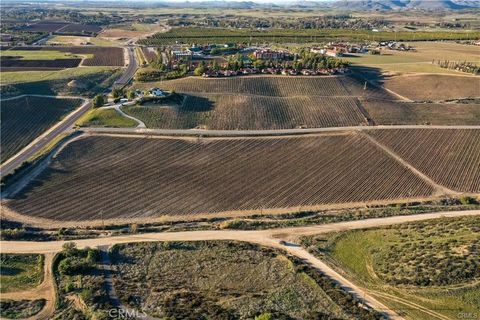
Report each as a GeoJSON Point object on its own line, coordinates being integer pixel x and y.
{"type": "Point", "coordinates": [157, 92]}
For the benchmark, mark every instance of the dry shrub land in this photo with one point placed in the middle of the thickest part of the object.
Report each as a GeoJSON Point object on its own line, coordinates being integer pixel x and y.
{"type": "Point", "coordinates": [434, 87]}
{"type": "Point", "coordinates": [117, 177]}
{"type": "Point", "coordinates": [395, 112]}
{"type": "Point", "coordinates": [451, 157]}
{"type": "Point", "coordinates": [25, 118]}
{"type": "Point", "coordinates": [20, 309]}
{"type": "Point", "coordinates": [433, 264]}
{"type": "Point", "coordinates": [218, 280]}
{"type": "Point", "coordinates": [223, 280]}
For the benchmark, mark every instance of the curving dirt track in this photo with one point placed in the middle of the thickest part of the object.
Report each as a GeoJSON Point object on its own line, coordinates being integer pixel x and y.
{"type": "Point", "coordinates": [45, 290]}
{"type": "Point", "coordinates": [271, 238]}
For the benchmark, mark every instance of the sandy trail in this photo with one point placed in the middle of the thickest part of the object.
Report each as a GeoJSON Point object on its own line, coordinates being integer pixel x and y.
{"type": "Point", "coordinates": [45, 290]}
{"type": "Point", "coordinates": [270, 238]}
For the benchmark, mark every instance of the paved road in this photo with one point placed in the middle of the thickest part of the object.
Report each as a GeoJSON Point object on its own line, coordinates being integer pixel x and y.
{"type": "Point", "coordinates": [64, 125]}
{"type": "Point", "coordinates": [238, 133]}
{"type": "Point", "coordinates": [269, 238]}
{"type": "Point", "coordinates": [43, 139]}
{"type": "Point", "coordinates": [130, 71]}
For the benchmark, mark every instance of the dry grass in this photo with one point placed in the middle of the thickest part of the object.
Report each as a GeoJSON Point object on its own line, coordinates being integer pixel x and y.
{"type": "Point", "coordinates": [391, 112]}
{"type": "Point", "coordinates": [434, 87]}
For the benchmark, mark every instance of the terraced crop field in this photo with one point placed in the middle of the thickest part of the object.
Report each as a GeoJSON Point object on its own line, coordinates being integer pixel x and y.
{"type": "Point", "coordinates": [392, 112]}
{"type": "Point", "coordinates": [243, 112]}
{"type": "Point", "coordinates": [25, 118]}
{"type": "Point", "coordinates": [261, 102]}
{"type": "Point", "coordinates": [276, 86]}
{"type": "Point", "coordinates": [451, 157]}
{"type": "Point", "coordinates": [127, 177]}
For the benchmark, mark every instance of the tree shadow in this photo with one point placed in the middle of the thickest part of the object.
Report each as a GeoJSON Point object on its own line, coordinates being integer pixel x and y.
{"type": "Point", "coordinates": [196, 104]}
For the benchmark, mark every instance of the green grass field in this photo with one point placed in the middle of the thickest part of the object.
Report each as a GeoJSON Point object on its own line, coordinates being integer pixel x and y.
{"type": "Point", "coordinates": [417, 268]}
{"type": "Point", "coordinates": [20, 271]}
{"type": "Point", "coordinates": [42, 54]}
{"type": "Point", "coordinates": [419, 60]}
{"type": "Point", "coordinates": [88, 81]}
{"type": "Point", "coordinates": [105, 118]}
{"type": "Point", "coordinates": [32, 76]}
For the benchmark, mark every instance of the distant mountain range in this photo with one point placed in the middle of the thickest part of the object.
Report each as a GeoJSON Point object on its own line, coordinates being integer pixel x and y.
{"type": "Point", "coordinates": [360, 5]}
{"type": "Point", "coordinates": [405, 4]}
{"type": "Point", "coordinates": [347, 5]}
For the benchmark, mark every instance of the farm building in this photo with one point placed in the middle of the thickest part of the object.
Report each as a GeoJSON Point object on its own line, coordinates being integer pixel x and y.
{"type": "Point", "coordinates": [179, 54]}
{"type": "Point", "coordinates": [157, 92]}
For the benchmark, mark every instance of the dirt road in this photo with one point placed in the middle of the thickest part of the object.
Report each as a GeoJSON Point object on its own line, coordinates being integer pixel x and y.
{"type": "Point", "coordinates": [45, 290]}
{"type": "Point", "coordinates": [244, 133]}
{"type": "Point", "coordinates": [271, 238]}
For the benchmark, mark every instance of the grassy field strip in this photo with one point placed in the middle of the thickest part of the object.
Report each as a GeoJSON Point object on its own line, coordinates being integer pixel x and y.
{"type": "Point", "coordinates": [31, 76]}
{"type": "Point", "coordinates": [42, 55]}
{"type": "Point", "coordinates": [266, 237]}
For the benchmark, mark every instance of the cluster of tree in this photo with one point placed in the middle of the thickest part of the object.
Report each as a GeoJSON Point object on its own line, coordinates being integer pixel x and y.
{"type": "Point", "coordinates": [148, 75]}
{"type": "Point", "coordinates": [75, 261]}
{"type": "Point", "coordinates": [464, 66]}
{"type": "Point", "coordinates": [325, 22]}
{"type": "Point", "coordinates": [310, 60]}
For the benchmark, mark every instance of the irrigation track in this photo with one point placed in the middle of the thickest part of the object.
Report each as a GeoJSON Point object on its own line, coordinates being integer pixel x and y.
{"type": "Point", "coordinates": [269, 237]}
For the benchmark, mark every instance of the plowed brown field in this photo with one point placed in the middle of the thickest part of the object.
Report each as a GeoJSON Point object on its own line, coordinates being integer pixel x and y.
{"type": "Point", "coordinates": [118, 177]}
{"type": "Point", "coordinates": [451, 157]}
